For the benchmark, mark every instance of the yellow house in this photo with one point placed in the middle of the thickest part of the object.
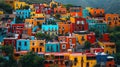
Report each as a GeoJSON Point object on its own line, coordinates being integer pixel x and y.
{"type": "Point", "coordinates": [78, 59]}
{"type": "Point", "coordinates": [109, 47]}
{"type": "Point", "coordinates": [37, 45]}
{"type": "Point", "coordinates": [83, 60]}
{"type": "Point", "coordinates": [81, 38]}
{"type": "Point", "coordinates": [18, 5]}
{"type": "Point", "coordinates": [90, 60]}
{"type": "Point", "coordinates": [36, 20]}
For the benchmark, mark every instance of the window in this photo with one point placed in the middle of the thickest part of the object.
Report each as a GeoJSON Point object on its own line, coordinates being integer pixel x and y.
{"type": "Point", "coordinates": [41, 44]}
{"type": "Point", "coordinates": [71, 46]}
{"type": "Point", "coordinates": [33, 43]}
{"type": "Point", "coordinates": [82, 38]}
{"type": "Point", "coordinates": [40, 49]}
{"type": "Point", "coordinates": [25, 43]}
{"type": "Point", "coordinates": [64, 46]}
{"type": "Point", "coordinates": [70, 41]}
{"type": "Point", "coordinates": [37, 50]}
{"type": "Point", "coordinates": [19, 43]}
{"type": "Point", "coordinates": [33, 49]}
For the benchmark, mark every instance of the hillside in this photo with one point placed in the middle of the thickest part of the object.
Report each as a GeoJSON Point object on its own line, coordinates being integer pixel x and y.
{"type": "Point", "coordinates": [110, 6]}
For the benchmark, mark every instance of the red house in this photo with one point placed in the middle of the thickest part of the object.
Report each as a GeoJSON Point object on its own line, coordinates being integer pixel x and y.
{"type": "Point", "coordinates": [96, 50]}
{"type": "Point", "coordinates": [17, 28]}
{"type": "Point", "coordinates": [105, 37]}
{"type": "Point", "coordinates": [67, 42]}
{"type": "Point", "coordinates": [110, 62]}
{"type": "Point", "coordinates": [10, 41]}
{"type": "Point", "coordinates": [91, 37]}
{"type": "Point", "coordinates": [79, 25]}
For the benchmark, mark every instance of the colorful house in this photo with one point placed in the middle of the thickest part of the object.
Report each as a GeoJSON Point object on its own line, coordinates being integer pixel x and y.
{"type": "Point", "coordinates": [60, 10]}
{"type": "Point", "coordinates": [85, 13]}
{"type": "Point", "coordinates": [67, 43]}
{"type": "Point", "coordinates": [78, 24]}
{"type": "Point", "coordinates": [105, 37]}
{"type": "Point", "coordinates": [64, 28]}
{"type": "Point", "coordinates": [10, 41]}
{"type": "Point", "coordinates": [109, 47]}
{"type": "Point", "coordinates": [96, 50]}
{"type": "Point", "coordinates": [85, 36]}
{"type": "Point", "coordinates": [110, 62]}
{"type": "Point", "coordinates": [101, 58]}
{"type": "Point", "coordinates": [23, 13]}
{"type": "Point", "coordinates": [23, 45]}
{"type": "Point", "coordinates": [50, 27]}
{"type": "Point", "coordinates": [112, 20]}
{"type": "Point", "coordinates": [52, 47]}
{"type": "Point", "coordinates": [97, 12]}
{"type": "Point", "coordinates": [97, 25]}
{"type": "Point", "coordinates": [17, 28]}
{"type": "Point", "coordinates": [78, 59]}
{"type": "Point", "coordinates": [90, 60]}
{"type": "Point", "coordinates": [76, 11]}
{"type": "Point", "coordinates": [18, 5]}
{"type": "Point", "coordinates": [101, 27]}
{"type": "Point", "coordinates": [37, 45]}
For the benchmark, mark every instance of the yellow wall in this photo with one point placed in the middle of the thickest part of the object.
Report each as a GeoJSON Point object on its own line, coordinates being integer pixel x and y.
{"type": "Point", "coordinates": [79, 62]}
{"type": "Point", "coordinates": [37, 45]}
{"type": "Point", "coordinates": [18, 4]}
{"type": "Point", "coordinates": [72, 19]}
{"type": "Point", "coordinates": [108, 49]}
{"type": "Point", "coordinates": [79, 58]}
{"type": "Point", "coordinates": [79, 38]}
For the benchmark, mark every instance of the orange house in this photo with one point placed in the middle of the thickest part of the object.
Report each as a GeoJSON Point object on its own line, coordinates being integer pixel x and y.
{"type": "Point", "coordinates": [112, 20]}
{"type": "Point", "coordinates": [76, 11]}
{"type": "Point", "coordinates": [64, 28]}
{"type": "Point", "coordinates": [67, 43]}
{"type": "Point", "coordinates": [97, 12]}
{"type": "Point", "coordinates": [60, 10]}
{"type": "Point", "coordinates": [37, 45]}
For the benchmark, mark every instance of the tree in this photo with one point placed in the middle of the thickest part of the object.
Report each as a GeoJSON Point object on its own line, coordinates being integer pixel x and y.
{"type": "Point", "coordinates": [9, 60]}
{"type": "Point", "coordinates": [31, 60]}
{"type": "Point", "coordinates": [19, 20]}
{"type": "Point", "coordinates": [67, 6]}
{"type": "Point", "coordinates": [117, 58]}
{"type": "Point", "coordinates": [8, 50]}
{"type": "Point", "coordinates": [87, 45]}
{"type": "Point", "coordinates": [57, 16]}
{"type": "Point", "coordinates": [6, 8]}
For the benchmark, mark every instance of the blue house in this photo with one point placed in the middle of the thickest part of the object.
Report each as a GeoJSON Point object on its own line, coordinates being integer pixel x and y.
{"type": "Point", "coordinates": [23, 13]}
{"type": "Point", "coordinates": [85, 13]}
{"type": "Point", "coordinates": [101, 58]}
{"type": "Point", "coordinates": [52, 47]}
{"type": "Point", "coordinates": [94, 24]}
{"type": "Point", "coordinates": [23, 45]}
{"type": "Point", "coordinates": [50, 27]}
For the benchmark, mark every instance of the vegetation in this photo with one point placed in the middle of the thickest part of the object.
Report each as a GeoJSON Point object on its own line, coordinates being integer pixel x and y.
{"type": "Point", "coordinates": [19, 20]}
{"type": "Point", "coordinates": [6, 8]}
{"type": "Point", "coordinates": [87, 45]}
{"type": "Point", "coordinates": [31, 60]}
{"type": "Point", "coordinates": [7, 60]}
{"type": "Point", "coordinates": [67, 6]}
{"type": "Point", "coordinates": [41, 35]}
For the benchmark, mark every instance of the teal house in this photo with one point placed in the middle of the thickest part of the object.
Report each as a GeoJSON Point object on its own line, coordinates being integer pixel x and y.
{"type": "Point", "coordinates": [23, 13]}
{"type": "Point", "coordinates": [23, 45]}
{"type": "Point", "coordinates": [85, 13]}
{"type": "Point", "coordinates": [50, 27]}
{"type": "Point", "coordinates": [52, 47]}
{"type": "Point", "coordinates": [97, 25]}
